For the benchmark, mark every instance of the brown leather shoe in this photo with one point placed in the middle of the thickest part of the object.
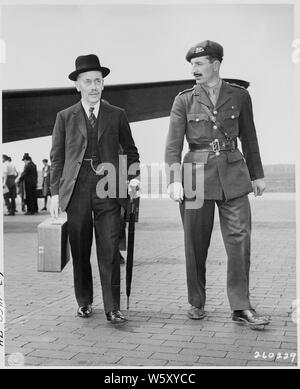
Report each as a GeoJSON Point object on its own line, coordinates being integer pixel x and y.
{"type": "Point", "coordinates": [85, 311]}
{"type": "Point", "coordinates": [249, 317]}
{"type": "Point", "coordinates": [196, 313]}
{"type": "Point", "coordinates": [116, 317]}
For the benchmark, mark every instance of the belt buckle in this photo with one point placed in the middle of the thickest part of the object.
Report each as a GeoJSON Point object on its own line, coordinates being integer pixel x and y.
{"type": "Point", "coordinates": [215, 145]}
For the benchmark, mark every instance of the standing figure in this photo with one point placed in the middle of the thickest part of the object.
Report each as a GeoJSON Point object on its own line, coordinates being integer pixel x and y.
{"type": "Point", "coordinates": [212, 115]}
{"type": "Point", "coordinates": [9, 181]}
{"type": "Point", "coordinates": [85, 150]}
{"type": "Point", "coordinates": [45, 183]}
{"type": "Point", "coordinates": [29, 177]}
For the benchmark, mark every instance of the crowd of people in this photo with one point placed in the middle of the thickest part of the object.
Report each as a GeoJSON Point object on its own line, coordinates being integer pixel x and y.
{"type": "Point", "coordinates": [24, 184]}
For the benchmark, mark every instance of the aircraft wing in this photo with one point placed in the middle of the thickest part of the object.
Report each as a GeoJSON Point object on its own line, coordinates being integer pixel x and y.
{"type": "Point", "coordinates": [30, 114]}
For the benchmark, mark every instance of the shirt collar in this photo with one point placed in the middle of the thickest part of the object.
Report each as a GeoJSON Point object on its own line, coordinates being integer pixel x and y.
{"type": "Point", "coordinates": [215, 89]}
{"type": "Point", "coordinates": [87, 108]}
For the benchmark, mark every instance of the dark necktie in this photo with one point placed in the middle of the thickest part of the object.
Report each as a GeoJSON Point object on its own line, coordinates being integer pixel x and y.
{"type": "Point", "coordinates": [212, 96]}
{"type": "Point", "coordinates": [92, 117]}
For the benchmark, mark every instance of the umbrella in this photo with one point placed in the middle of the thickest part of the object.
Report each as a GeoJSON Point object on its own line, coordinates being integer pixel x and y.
{"type": "Point", "coordinates": [132, 210]}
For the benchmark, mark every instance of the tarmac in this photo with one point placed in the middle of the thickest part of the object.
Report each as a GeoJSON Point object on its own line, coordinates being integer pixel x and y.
{"type": "Point", "coordinates": [42, 328]}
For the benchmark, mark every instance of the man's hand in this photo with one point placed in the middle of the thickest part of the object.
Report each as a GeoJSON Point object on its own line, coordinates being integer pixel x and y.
{"type": "Point", "coordinates": [175, 191]}
{"type": "Point", "coordinates": [54, 206]}
{"type": "Point", "coordinates": [258, 186]}
{"type": "Point", "coordinates": [134, 188]}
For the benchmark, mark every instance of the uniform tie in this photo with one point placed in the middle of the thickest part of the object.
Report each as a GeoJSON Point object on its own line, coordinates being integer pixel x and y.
{"type": "Point", "coordinates": [212, 95]}
{"type": "Point", "coordinates": [92, 117]}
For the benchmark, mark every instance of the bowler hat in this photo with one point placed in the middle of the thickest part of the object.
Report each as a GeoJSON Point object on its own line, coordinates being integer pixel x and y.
{"type": "Point", "coordinates": [205, 48]}
{"type": "Point", "coordinates": [86, 63]}
{"type": "Point", "coordinates": [26, 156]}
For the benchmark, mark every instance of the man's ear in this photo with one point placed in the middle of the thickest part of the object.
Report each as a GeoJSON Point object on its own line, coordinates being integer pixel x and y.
{"type": "Point", "coordinates": [216, 65]}
{"type": "Point", "coordinates": [77, 86]}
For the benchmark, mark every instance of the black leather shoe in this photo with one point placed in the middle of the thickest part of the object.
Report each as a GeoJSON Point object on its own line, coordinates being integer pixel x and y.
{"type": "Point", "coordinates": [116, 317]}
{"type": "Point", "coordinates": [85, 311]}
{"type": "Point", "coordinates": [249, 317]}
{"type": "Point", "coordinates": [195, 313]}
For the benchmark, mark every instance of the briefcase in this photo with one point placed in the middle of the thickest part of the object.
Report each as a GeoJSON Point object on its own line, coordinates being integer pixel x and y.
{"type": "Point", "coordinates": [53, 245]}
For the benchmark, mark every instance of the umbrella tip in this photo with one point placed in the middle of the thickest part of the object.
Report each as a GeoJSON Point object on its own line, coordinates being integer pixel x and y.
{"type": "Point", "coordinates": [127, 302]}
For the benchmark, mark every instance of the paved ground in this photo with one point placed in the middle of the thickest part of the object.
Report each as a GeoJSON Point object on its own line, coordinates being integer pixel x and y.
{"type": "Point", "coordinates": [40, 307]}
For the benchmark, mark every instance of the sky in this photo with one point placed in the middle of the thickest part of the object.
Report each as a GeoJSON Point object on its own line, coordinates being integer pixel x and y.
{"type": "Point", "coordinates": [144, 43]}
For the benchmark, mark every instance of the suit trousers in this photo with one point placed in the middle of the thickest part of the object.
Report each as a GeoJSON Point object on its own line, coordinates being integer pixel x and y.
{"type": "Point", "coordinates": [85, 211]}
{"type": "Point", "coordinates": [30, 196]}
{"type": "Point", "coordinates": [10, 199]}
{"type": "Point", "coordinates": [235, 223]}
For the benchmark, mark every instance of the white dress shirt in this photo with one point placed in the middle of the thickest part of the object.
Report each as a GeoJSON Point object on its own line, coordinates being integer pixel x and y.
{"type": "Point", "coordinates": [86, 108]}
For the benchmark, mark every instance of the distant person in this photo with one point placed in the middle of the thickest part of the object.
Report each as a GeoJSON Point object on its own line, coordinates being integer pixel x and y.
{"type": "Point", "coordinates": [84, 136]}
{"type": "Point", "coordinates": [212, 116]}
{"type": "Point", "coordinates": [29, 177]}
{"type": "Point", "coordinates": [21, 192]}
{"type": "Point", "coordinates": [45, 183]}
{"type": "Point", "coordinates": [9, 181]}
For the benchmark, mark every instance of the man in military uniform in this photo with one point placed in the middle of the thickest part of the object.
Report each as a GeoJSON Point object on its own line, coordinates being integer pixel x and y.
{"type": "Point", "coordinates": [212, 115]}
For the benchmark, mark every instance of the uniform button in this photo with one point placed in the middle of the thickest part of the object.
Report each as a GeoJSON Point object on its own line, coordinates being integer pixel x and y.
{"type": "Point", "coordinates": [232, 117]}
{"type": "Point", "coordinates": [215, 112]}
{"type": "Point", "coordinates": [232, 107]}
{"type": "Point", "coordinates": [215, 127]}
{"type": "Point", "coordinates": [197, 119]}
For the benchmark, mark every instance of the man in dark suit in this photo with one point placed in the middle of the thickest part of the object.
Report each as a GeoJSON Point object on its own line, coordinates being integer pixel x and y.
{"type": "Point", "coordinates": [212, 115]}
{"type": "Point", "coordinates": [87, 183]}
{"type": "Point", "coordinates": [45, 182]}
{"type": "Point", "coordinates": [29, 177]}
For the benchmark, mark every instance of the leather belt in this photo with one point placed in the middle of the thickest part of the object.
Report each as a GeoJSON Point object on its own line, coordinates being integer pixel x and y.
{"type": "Point", "coordinates": [216, 146]}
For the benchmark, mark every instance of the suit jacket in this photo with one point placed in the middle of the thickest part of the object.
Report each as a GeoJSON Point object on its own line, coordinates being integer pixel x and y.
{"type": "Point", "coordinates": [231, 172]}
{"type": "Point", "coordinates": [69, 142]}
{"type": "Point", "coordinates": [29, 175]}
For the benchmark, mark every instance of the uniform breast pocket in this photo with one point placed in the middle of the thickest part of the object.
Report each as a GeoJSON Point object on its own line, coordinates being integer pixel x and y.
{"type": "Point", "coordinates": [230, 120]}
{"type": "Point", "coordinates": [198, 125]}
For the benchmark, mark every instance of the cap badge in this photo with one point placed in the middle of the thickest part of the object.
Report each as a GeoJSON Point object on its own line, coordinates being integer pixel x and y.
{"type": "Point", "coordinates": [199, 50]}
